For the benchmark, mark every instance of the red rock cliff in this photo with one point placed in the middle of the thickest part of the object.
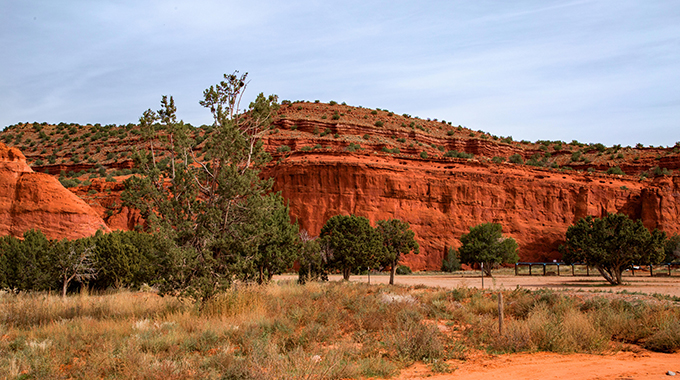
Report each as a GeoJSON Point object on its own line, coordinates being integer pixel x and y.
{"type": "Point", "coordinates": [442, 199]}
{"type": "Point", "coordinates": [30, 200]}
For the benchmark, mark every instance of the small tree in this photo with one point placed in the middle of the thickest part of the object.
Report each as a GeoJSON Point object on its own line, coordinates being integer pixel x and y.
{"type": "Point", "coordinates": [672, 249]}
{"type": "Point", "coordinates": [451, 262]}
{"type": "Point", "coordinates": [276, 237]}
{"type": "Point", "coordinates": [611, 244]}
{"type": "Point", "coordinates": [73, 261]}
{"type": "Point", "coordinates": [486, 244]}
{"type": "Point", "coordinates": [312, 259]}
{"type": "Point", "coordinates": [398, 240]}
{"type": "Point", "coordinates": [352, 243]}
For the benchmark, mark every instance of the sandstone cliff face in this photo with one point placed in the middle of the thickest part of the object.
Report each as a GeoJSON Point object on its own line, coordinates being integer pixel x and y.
{"type": "Point", "coordinates": [30, 200]}
{"type": "Point", "coordinates": [442, 199]}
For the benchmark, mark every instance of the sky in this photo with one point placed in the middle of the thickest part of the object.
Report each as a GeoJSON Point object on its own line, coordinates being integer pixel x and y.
{"type": "Point", "coordinates": [594, 71]}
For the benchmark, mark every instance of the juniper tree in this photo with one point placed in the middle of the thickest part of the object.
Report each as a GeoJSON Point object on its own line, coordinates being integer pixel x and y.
{"type": "Point", "coordinates": [398, 240]}
{"type": "Point", "coordinates": [486, 244]}
{"type": "Point", "coordinates": [611, 244]}
{"type": "Point", "coordinates": [205, 205]}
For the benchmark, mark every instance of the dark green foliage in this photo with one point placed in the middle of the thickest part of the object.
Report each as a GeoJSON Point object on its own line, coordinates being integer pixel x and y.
{"type": "Point", "coordinates": [403, 270]}
{"type": "Point", "coordinates": [423, 154]}
{"type": "Point", "coordinates": [498, 160]}
{"type": "Point", "coordinates": [379, 123]}
{"type": "Point", "coordinates": [612, 244]}
{"type": "Point", "coordinates": [283, 149]}
{"type": "Point", "coordinates": [398, 240]}
{"type": "Point", "coordinates": [457, 154]}
{"type": "Point", "coordinates": [486, 244]}
{"type": "Point", "coordinates": [516, 159]}
{"type": "Point", "coordinates": [212, 216]}
{"type": "Point", "coordinates": [451, 262]}
{"type": "Point", "coordinates": [672, 249]}
{"type": "Point", "coordinates": [615, 170]}
{"type": "Point", "coordinates": [27, 262]}
{"type": "Point", "coordinates": [275, 237]}
{"type": "Point", "coordinates": [125, 259]}
{"type": "Point", "coordinates": [312, 258]}
{"type": "Point", "coordinates": [354, 147]}
{"type": "Point", "coordinates": [352, 244]}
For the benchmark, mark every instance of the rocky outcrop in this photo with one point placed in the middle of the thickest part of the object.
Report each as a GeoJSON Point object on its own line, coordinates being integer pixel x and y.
{"type": "Point", "coordinates": [30, 200]}
{"type": "Point", "coordinates": [442, 199]}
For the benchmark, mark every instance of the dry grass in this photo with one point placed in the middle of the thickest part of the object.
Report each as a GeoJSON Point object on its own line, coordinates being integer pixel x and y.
{"type": "Point", "coordinates": [316, 331]}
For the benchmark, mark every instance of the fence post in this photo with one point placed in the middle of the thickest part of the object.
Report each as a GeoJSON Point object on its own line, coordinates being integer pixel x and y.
{"type": "Point", "coordinates": [515, 269]}
{"type": "Point", "coordinates": [651, 270]}
{"type": "Point", "coordinates": [482, 265]}
{"type": "Point", "coordinates": [544, 269]}
{"type": "Point", "coordinates": [500, 313]}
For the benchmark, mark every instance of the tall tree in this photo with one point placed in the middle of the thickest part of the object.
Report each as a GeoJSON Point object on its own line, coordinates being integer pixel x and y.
{"type": "Point", "coordinates": [353, 244]}
{"type": "Point", "coordinates": [398, 240]}
{"type": "Point", "coordinates": [203, 202]}
{"type": "Point", "coordinates": [486, 244]}
{"type": "Point", "coordinates": [611, 244]}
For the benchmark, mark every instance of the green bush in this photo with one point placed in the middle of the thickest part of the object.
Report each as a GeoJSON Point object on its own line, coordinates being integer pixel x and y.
{"type": "Point", "coordinates": [516, 159]}
{"type": "Point", "coordinates": [283, 149]}
{"type": "Point", "coordinates": [615, 170]}
{"type": "Point", "coordinates": [451, 262]}
{"type": "Point", "coordinates": [379, 123]}
{"type": "Point", "coordinates": [404, 269]}
{"type": "Point", "coordinates": [423, 154]}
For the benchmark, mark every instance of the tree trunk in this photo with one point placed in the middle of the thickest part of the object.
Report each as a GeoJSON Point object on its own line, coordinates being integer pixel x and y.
{"type": "Point", "coordinates": [65, 286]}
{"type": "Point", "coordinates": [261, 277]}
{"type": "Point", "coordinates": [345, 274]}
{"type": "Point", "coordinates": [607, 276]}
{"type": "Point", "coordinates": [487, 269]}
{"type": "Point", "coordinates": [393, 271]}
{"type": "Point", "coordinates": [618, 271]}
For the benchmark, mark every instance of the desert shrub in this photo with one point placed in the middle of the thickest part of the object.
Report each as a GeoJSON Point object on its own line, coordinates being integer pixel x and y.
{"type": "Point", "coordinates": [497, 159]}
{"type": "Point", "coordinates": [423, 154]}
{"type": "Point", "coordinates": [516, 159]}
{"type": "Point", "coordinates": [283, 149]}
{"type": "Point", "coordinates": [615, 170]}
{"type": "Point", "coordinates": [404, 269]}
{"type": "Point", "coordinates": [379, 123]}
{"type": "Point", "coordinates": [457, 154]}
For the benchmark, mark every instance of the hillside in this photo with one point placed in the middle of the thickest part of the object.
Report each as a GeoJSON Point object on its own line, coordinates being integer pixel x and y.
{"type": "Point", "coordinates": [333, 158]}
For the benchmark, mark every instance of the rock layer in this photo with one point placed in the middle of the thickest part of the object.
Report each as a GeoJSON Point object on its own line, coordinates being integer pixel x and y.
{"type": "Point", "coordinates": [30, 200]}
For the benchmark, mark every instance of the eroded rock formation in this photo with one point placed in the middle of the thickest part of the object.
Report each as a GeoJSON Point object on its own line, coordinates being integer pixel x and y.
{"type": "Point", "coordinates": [30, 200]}
{"type": "Point", "coordinates": [442, 199]}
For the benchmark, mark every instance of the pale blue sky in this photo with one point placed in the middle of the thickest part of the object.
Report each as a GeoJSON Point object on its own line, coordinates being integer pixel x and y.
{"type": "Point", "coordinates": [595, 71]}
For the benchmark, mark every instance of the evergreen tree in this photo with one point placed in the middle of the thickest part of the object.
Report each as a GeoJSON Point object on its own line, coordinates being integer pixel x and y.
{"type": "Point", "coordinates": [486, 244]}
{"type": "Point", "coordinates": [611, 244]}
{"type": "Point", "coordinates": [352, 244]}
{"type": "Point", "coordinates": [203, 203]}
{"type": "Point", "coordinates": [398, 240]}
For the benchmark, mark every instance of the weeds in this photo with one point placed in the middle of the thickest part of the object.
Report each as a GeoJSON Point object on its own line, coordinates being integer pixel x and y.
{"type": "Point", "coordinates": [315, 331]}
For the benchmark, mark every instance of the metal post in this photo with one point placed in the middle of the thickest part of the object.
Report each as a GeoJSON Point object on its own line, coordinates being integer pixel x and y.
{"type": "Point", "coordinates": [651, 270]}
{"type": "Point", "coordinates": [544, 269]}
{"type": "Point", "coordinates": [529, 269]}
{"type": "Point", "coordinates": [558, 269]}
{"type": "Point", "coordinates": [516, 269]}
